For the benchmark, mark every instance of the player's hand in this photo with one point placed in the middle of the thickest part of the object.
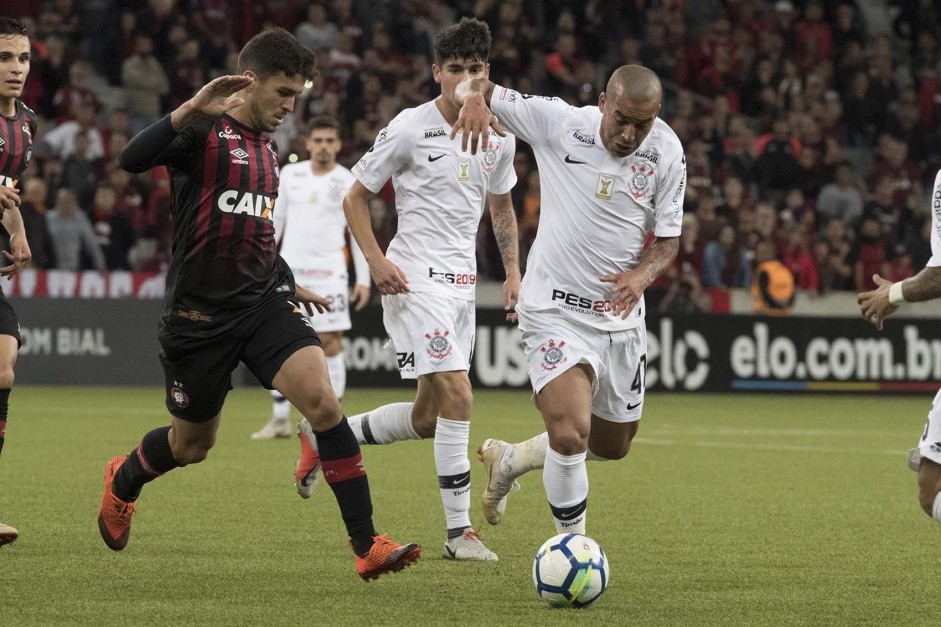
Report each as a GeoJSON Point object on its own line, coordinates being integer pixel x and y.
{"type": "Point", "coordinates": [511, 294]}
{"type": "Point", "coordinates": [388, 277]}
{"type": "Point", "coordinates": [359, 296]}
{"type": "Point", "coordinates": [874, 305]}
{"type": "Point", "coordinates": [474, 123]}
{"type": "Point", "coordinates": [19, 255]}
{"type": "Point", "coordinates": [9, 198]}
{"type": "Point", "coordinates": [628, 288]}
{"type": "Point", "coordinates": [219, 95]}
{"type": "Point", "coordinates": [310, 300]}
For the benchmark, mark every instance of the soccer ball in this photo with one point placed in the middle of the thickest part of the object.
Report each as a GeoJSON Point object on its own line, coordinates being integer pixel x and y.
{"type": "Point", "coordinates": [570, 570]}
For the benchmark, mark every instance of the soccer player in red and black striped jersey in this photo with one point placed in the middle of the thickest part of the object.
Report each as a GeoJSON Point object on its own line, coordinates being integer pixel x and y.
{"type": "Point", "coordinates": [17, 125]}
{"type": "Point", "coordinates": [230, 297]}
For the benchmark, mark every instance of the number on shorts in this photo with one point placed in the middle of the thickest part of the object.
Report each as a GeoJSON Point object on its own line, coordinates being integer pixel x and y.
{"type": "Point", "coordinates": [640, 376]}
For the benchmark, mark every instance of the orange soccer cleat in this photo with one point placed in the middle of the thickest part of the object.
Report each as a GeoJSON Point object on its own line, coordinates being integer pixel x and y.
{"type": "Point", "coordinates": [386, 556]}
{"type": "Point", "coordinates": [114, 515]}
{"type": "Point", "coordinates": [307, 472]}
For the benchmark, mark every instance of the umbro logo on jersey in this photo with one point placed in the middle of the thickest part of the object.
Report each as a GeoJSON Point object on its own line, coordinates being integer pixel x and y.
{"type": "Point", "coordinates": [240, 156]}
{"type": "Point", "coordinates": [569, 159]}
{"type": "Point", "coordinates": [433, 159]}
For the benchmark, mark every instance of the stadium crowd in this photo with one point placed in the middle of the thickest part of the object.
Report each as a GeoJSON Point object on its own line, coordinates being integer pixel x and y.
{"type": "Point", "coordinates": [802, 127]}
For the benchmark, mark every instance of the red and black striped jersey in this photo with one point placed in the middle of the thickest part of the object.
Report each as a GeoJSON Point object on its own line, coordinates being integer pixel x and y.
{"type": "Point", "coordinates": [16, 144]}
{"type": "Point", "coordinates": [224, 181]}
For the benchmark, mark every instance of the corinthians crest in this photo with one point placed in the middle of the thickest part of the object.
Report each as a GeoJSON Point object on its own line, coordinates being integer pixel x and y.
{"type": "Point", "coordinates": [439, 346]}
{"type": "Point", "coordinates": [552, 355]}
{"type": "Point", "coordinates": [489, 159]}
{"type": "Point", "coordinates": [639, 179]}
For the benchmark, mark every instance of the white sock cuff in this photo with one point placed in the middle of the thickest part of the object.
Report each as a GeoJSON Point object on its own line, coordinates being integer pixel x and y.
{"type": "Point", "coordinates": [936, 508]}
{"type": "Point", "coordinates": [566, 461]}
{"type": "Point", "coordinates": [452, 430]}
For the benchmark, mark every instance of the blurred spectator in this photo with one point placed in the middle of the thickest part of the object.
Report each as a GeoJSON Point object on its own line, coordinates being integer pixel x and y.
{"type": "Point", "coordinates": [146, 83]}
{"type": "Point", "coordinates": [798, 259]}
{"type": "Point", "coordinates": [112, 230]}
{"type": "Point", "coordinates": [60, 141]}
{"type": "Point", "coordinates": [776, 168]}
{"type": "Point", "coordinates": [33, 210]}
{"type": "Point", "coordinates": [316, 32]}
{"type": "Point", "coordinates": [72, 234]}
{"type": "Point", "coordinates": [841, 199]}
{"type": "Point", "coordinates": [869, 255]}
{"type": "Point", "coordinates": [918, 244]}
{"type": "Point", "coordinates": [772, 287]}
{"type": "Point", "coordinates": [725, 263]}
{"type": "Point", "coordinates": [79, 173]}
{"type": "Point", "coordinates": [76, 93]}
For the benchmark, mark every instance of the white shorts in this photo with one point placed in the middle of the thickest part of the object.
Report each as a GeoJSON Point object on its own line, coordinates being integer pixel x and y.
{"type": "Point", "coordinates": [430, 333]}
{"type": "Point", "coordinates": [930, 443]}
{"type": "Point", "coordinates": [339, 318]}
{"type": "Point", "coordinates": [618, 359]}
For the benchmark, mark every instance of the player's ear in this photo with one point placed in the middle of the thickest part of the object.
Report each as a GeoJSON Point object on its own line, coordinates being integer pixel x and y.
{"type": "Point", "coordinates": [436, 72]}
{"type": "Point", "coordinates": [254, 78]}
{"type": "Point", "coordinates": [601, 101]}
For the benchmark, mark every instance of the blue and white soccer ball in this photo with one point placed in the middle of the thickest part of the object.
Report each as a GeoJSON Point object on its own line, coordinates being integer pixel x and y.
{"type": "Point", "coordinates": [570, 570]}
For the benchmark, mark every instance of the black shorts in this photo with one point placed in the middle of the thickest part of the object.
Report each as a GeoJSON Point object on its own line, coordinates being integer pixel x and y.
{"type": "Point", "coordinates": [9, 324]}
{"type": "Point", "coordinates": [198, 370]}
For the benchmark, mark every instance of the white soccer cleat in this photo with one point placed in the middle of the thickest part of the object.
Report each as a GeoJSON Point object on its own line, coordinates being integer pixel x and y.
{"type": "Point", "coordinates": [468, 547]}
{"type": "Point", "coordinates": [914, 458]}
{"type": "Point", "coordinates": [307, 472]}
{"type": "Point", "coordinates": [7, 534]}
{"type": "Point", "coordinates": [274, 428]}
{"type": "Point", "coordinates": [493, 498]}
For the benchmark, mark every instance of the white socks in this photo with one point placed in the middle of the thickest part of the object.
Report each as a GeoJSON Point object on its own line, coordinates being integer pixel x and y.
{"type": "Point", "coordinates": [384, 425]}
{"type": "Point", "coordinates": [280, 408]}
{"type": "Point", "coordinates": [453, 466]}
{"type": "Point", "coordinates": [336, 369]}
{"type": "Point", "coordinates": [566, 481]}
{"type": "Point", "coordinates": [936, 508]}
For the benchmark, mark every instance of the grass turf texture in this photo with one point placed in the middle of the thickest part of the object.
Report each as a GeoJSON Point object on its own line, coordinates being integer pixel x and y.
{"type": "Point", "coordinates": [730, 510]}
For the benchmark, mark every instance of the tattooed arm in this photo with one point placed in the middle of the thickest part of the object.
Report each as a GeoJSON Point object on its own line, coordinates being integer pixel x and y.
{"type": "Point", "coordinates": [507, 236]}
{"type": "Point", "coordinates": [629, 286]}
{"type": "Point", "coordinates": [880, 303]}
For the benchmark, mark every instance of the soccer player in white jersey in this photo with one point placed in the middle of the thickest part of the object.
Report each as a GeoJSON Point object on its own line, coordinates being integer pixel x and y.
{"type": "Point", "coordinates": [612, 175]}
{"type": "Point", "coordinates": [880, 303]}
{"type": "Point", "coordinates": [427, 277]}
{"type": "Point", "coordinates": [310, 227]}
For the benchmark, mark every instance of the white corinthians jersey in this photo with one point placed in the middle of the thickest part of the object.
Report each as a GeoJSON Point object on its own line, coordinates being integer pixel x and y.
{"type": "Point", "coordinates": [935, 260]}
{"type": "Point", "coordinates": [440, 193]}
{"type": "Point", "coordinates": [596, 210]}
{"type": "Point", "coordinates": [310, 224]}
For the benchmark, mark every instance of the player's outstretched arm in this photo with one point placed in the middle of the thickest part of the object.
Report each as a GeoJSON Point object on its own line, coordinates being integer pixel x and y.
{"type": "Point", "coordinates": [506, 233]}
{"type": "Point", "coordinates": [878, 304]}
{"type": "Point", "coordinates": [629, 286]}
{"type": "Point", "coordinates": [387, 276]}
{"type": "Point", "coordinates": [475, 119]}
{"type": "Point", "coordinates": [215, 98]}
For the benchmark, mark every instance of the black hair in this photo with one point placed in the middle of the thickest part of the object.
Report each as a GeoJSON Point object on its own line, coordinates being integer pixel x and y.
{"type": "Point", "coordinates": [276, 50]}
{"type": "Point", "coordinates": [12, 27]}
{"type": "Point", "coordinates": [469, 40]}
{"type": "Point", "coordinates": [323, 121]}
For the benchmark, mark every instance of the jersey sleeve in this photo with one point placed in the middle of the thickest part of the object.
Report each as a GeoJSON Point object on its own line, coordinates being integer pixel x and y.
{"type": "Point", "coordinates": [161, 144]}
{"type": "Point", "coordinates": [388, 155]}
{"type": "Point", "coordinates": [504, 176]}
{"type": "Point", "coordinates": [935, 260]}
{"type": "Point", "coordinates": [533, 118]}
{"type": "Point", "coordinates": [668, 203]}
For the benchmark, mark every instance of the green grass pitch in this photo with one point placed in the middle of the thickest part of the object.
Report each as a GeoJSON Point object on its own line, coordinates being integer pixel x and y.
{"type": "Point", "coordinates": [730, 510]}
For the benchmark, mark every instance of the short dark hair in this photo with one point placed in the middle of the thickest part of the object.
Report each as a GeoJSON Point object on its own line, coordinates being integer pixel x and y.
{"type": "Point", "coordinates": [12, 27]}
{"type": "Point", "coordinates": [323, 121]}
{"type": "Point", "coordinates": [469, 39]}
{"type": "Point", "coordinates": [276, 50]}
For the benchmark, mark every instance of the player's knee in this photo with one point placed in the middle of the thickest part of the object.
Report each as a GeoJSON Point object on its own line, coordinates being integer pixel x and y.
{"type": "Point", "coordinates": [6, 377]}
{"type": "Point", "coordinates": [568, 439]}
{"type": "Point", "coordinates": [424, 422]}
{"type": "Point", "coordinates": [455, 398]}
{"type": "Point", "coordinates": [322, 411]}
{"type": "Point", "coordinates": [187, 453]}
